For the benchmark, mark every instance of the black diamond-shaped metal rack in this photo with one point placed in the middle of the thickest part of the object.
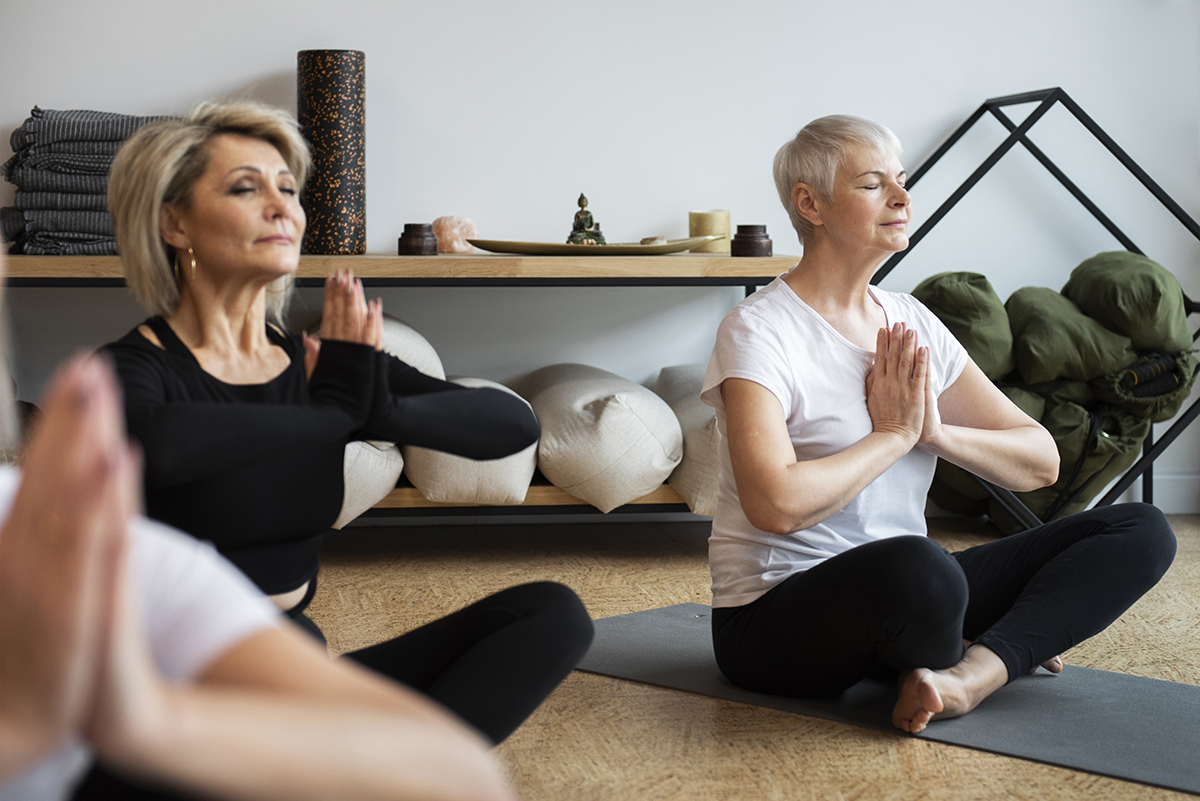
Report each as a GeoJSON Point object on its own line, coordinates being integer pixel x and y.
{"type": "Point", "coordinates": [1018, 134]}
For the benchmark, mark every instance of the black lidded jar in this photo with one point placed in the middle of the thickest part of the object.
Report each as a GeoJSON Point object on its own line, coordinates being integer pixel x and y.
{"type": "Point", "coordinates": [750, 240]}
{"type": "Point", "coordinates": [418, 239]}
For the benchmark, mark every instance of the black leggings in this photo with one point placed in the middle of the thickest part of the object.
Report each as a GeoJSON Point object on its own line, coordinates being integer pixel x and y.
{"type": "Point", "coordinates": [905, 602]}
{"type": "Point", "coordinates": [491, 663]}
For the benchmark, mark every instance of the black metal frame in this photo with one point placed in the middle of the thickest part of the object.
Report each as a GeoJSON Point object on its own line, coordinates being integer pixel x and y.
{"type": "Point", "coordinates": [1018, 134]}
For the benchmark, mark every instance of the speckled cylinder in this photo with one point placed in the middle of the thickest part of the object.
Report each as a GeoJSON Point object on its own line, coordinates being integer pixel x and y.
{"type": "Point", "coordinates": [331, 95]}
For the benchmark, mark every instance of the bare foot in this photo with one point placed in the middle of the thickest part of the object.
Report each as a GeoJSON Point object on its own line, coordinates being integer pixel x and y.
{"type": "Point", "coordinates": [1054, 664]}
{"type": "Point", "coordinates": [927, 695]}
{"type": "Point", "coordinates": [919, 701]}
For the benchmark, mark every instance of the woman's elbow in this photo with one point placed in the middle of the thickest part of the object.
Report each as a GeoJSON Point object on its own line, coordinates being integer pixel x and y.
{"type": "Point", "coordinates": [1041, 465]}
{"type": "Point", "coordinates": [511, 427]}
{"type": "Point", "coordinates": [1045, 475]}
{"type": "Point", "coordinates": [765, 515]}
{"type": "Point", "coordinates": [1047, 461]}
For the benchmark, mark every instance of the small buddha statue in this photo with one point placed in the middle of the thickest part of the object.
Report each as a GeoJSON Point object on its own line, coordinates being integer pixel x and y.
{"type": "Point", "coordinates": [585, 231]}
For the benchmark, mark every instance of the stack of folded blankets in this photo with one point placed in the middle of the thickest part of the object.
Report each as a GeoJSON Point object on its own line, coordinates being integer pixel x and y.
{"type": "Point", "coordinates": [60, 165]}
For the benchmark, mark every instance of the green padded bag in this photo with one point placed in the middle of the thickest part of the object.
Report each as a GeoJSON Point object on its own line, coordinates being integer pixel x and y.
{"type": "Point", "coordinates": [974, 313]}
{"type": "Point", "coordinates": [1133, 296]}
{"type": "Point", "coordinates": [1054, 339]}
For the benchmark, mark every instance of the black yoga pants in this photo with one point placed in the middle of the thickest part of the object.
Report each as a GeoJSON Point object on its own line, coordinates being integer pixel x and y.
{"type": "Point", "coordinates": [495, 661]}
{"type": "Point", "coordinates": [905, 602]}
{"type": "Point", "coordinates": [491, 663]}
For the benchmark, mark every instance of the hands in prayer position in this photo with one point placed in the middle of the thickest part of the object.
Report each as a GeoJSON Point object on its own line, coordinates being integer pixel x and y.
{"type": "Point", "coordinates": [346, 316]}
{"type": "Point", "coordinates": [75, 660]}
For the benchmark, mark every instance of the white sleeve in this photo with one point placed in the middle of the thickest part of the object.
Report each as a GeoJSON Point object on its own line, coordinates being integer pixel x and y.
{"type": "Point", "coordinates": [748, 347]}
{"type": "Point", "coordinates": [195, 604]}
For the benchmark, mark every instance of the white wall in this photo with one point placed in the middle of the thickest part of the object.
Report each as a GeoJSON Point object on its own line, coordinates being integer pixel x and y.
{"type": "Point", "coordinates": [504, 112]}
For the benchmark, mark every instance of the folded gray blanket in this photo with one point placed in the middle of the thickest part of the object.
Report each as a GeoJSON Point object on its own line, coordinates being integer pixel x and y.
{"type": "Point", "coordinates": [71, 163]}
{"type": "Point", "coordinates": [46, 125]}
{"type": "Point", "coordinates": [49, 181]}
{"type": "Point", "coordinates": [60, 200]}
{"type": "Point", "coordinates": [16, 222]}
{"type": "Point", "coordinates": [83, 148]}
{"type": "Point", "coordinates": [65, 244]}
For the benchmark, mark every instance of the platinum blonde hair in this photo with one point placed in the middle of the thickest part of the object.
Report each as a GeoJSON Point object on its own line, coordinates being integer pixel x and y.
{"type": "Point", "coordinates": [159, 165]}
{"type": "Point", "coordinates": [816, 152]}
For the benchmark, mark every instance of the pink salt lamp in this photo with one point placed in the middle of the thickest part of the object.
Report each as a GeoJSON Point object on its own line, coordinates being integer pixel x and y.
{"type": "Point", "coordinates": [452, 234]}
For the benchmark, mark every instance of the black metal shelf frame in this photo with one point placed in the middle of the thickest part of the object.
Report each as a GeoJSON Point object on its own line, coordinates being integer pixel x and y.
{"type": "Point", "coordinates": [1018, 134]}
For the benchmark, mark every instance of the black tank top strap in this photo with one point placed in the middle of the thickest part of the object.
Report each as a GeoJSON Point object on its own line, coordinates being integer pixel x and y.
{"type": "Point", "coordinates": [167, 336]}
{"type": "Point", "coordinates": [280, 338]}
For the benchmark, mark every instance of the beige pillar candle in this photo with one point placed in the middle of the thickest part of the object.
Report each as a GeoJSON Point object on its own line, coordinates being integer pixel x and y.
{"type": "Point", "coordinates": [707, 223]}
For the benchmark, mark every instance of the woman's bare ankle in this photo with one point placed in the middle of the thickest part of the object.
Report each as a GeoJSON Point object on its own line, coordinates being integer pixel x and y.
{"type": "Point", "coordinates": [927, 695]}
{"type": "Point", "coordinates": [976, 676]}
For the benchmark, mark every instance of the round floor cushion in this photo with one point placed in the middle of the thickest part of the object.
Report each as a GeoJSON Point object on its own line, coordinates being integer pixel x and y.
{"type": "Point", "coordinates": [605, 439]}
{"type": "Point", "coordinates": [696, 477]}
{"type": "Point", "coordinates": [446, 478]}
{"type": "Point", "coordinates": [371, 469]}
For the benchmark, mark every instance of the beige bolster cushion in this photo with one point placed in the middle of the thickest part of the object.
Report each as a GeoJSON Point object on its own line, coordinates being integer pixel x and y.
{"type": "Point", "coordinates": [696, 477]}
{"type": "Point", "coordinates": [446, 478]}
{"type": "Point", "coordinates": [371, 469]}
{"type": "Point", "coordinates": [605, 439]}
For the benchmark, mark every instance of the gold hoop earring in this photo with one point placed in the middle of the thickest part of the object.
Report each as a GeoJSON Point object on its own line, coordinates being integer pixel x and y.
{"type": "Point", "coordinates": [193, 255]}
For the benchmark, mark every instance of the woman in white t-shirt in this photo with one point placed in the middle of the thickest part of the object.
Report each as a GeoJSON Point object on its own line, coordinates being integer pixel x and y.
{"type": "Point", "coordinates": [835, 399]}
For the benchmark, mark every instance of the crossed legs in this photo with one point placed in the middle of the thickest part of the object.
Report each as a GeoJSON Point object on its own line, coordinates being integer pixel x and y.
{"type": "Point", "coordinates": [906, 604]}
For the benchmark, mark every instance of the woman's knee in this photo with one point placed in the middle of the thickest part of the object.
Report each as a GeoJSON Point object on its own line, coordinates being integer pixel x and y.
{"type": "Point", "coordinates": [1145, 543]}
{"type": "Point", "coordinates": [923, 577]}
{"type": "Point", "coordinates": [1152, 533]}
{"type": "Point", "coordinates": [558, 609]}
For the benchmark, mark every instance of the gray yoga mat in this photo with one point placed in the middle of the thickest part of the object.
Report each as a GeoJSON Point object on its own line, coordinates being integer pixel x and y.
{"type": "Point", "coordinates": [1127, 727]}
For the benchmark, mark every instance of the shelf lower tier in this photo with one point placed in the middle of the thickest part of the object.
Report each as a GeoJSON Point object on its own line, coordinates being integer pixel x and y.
{"type": "Point", "coordinates": [539, 495]}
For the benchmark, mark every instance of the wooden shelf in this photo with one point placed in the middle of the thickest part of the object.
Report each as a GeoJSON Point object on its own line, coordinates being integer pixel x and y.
{"type": "Point", "coordinates": [692, 267]}
{"type": "Point", "coordinates": [684, 269]}
{"type": "Point", "coordinates": [538, 495]}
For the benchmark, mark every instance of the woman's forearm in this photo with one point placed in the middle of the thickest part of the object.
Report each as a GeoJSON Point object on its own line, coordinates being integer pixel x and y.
{"type": "Point", "coordinates": [800, 495]}
{"type": "Point", "coordinates": [251, 745]}
{"type": "Point", "coordinates": [1021, 459]}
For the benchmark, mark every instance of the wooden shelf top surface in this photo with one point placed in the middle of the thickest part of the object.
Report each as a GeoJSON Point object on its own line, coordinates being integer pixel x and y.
{"type": "Point", "coordinates": [469, 266]}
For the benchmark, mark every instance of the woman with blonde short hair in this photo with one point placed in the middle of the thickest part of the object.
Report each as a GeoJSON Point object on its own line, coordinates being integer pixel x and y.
{"type": "Point", "coordinates": [243, 425]}
{"type": "Point", "coordinates": [835, 399]}
{"type": "Point", "coordinates": [158, 168]}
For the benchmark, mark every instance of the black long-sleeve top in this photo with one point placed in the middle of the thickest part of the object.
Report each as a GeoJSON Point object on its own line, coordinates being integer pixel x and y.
{"type": "Point", "coordinates": [257, 469]}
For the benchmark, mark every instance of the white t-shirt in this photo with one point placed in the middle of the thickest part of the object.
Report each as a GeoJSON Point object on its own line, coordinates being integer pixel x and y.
{"type": "Point", "coordinates": [195, 606]}
{"type": "Point", "coordinates": [775, 339]}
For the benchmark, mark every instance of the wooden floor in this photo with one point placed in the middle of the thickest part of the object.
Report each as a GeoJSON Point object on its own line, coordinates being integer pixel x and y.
{"type": "Point", "coordinates": [602, 738]}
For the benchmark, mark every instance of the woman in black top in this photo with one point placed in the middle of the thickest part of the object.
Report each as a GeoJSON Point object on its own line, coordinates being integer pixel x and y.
{"type": "Point", "coordinates": [244, 426]}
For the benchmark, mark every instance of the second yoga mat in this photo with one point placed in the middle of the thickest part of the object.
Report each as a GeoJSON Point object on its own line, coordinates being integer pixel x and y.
{"type": "Point", "coordinates": [1127, 727]}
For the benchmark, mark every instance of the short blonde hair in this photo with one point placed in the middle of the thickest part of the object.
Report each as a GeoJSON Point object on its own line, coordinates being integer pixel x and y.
{"type": "Point", "coordinates": [816, 152]}
{"type": "Point", "coordinates": [159, 165]}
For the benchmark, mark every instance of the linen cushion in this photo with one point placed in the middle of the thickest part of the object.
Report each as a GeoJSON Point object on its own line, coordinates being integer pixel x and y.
{"type": "Point", "coordinates": [371, 469]}
{"type": "Point", "coordinates": [446, 478]}
{"type": "Point", "coordinates": [695, 479]}
{"type": "Point", "coordinates": [605, 439]}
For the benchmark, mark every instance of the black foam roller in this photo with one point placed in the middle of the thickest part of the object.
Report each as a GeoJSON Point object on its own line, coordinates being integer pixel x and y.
{"type": "Point", "coordinates": [331, 93]}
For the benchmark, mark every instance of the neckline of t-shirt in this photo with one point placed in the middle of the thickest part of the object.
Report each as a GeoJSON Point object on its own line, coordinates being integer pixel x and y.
{"type": "Point", "coordinates": [791, 293]}
{"type": "Point", "coordinates": [177, 347]}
